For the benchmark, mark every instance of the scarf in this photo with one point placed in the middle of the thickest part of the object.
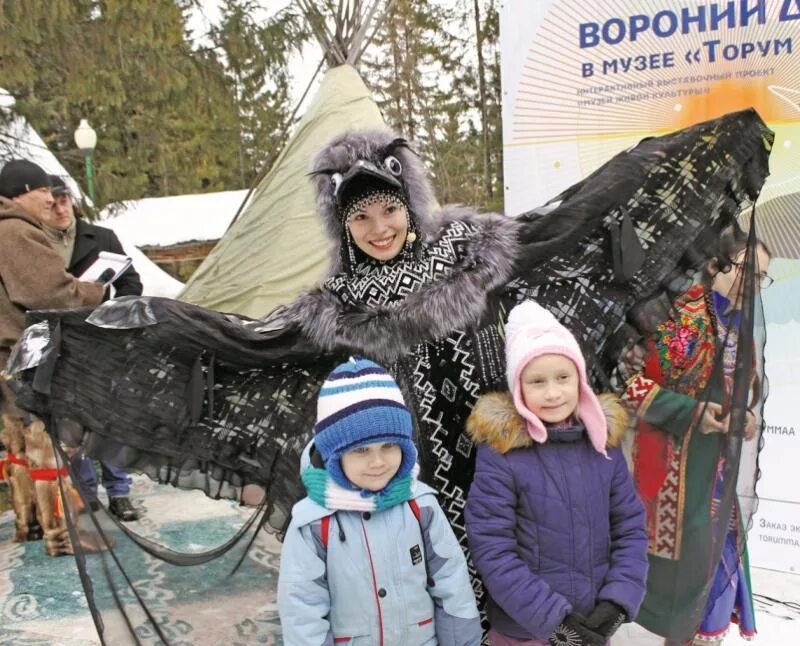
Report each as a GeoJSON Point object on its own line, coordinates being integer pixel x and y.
{"type": "Point", "coordinates": [62, 241]}
{"type": "Point", "coordinates": [325, 492]}
{"type": "Point", "coordinates": [728, 323]}
{"type": "Point", "coordinates": [377, 283]}
{"type": "Point", "coordinates": [569, 431]}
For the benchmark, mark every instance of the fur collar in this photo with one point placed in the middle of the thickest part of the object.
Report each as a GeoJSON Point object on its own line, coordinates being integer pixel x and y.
{"type": "Point", "coordinates": [10, 210]}
{"type": "Point", "coordinates": [495, 421]}
{"type": "Point", "coordinates": [384, 333]}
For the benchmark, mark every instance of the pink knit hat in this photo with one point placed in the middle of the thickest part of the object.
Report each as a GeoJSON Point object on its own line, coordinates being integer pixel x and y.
{"type": "Point", "coordinates": [532, 331]}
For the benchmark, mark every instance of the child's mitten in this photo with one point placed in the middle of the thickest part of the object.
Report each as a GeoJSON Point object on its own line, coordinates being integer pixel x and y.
{"type": "Point", "coordinates": [572, 631]}
{"type": "Point", "coordinates": [606, 618]}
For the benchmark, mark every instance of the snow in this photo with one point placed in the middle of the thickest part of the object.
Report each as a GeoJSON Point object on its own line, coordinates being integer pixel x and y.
{"type": "Point", "coordinates": [156, 281]}
{"type": "Point", "coordinates": [165, 221]}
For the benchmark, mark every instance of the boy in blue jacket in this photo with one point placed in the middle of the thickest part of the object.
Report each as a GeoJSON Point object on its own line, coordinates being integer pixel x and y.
{"type": "Point", "coordinates": [369, 557]}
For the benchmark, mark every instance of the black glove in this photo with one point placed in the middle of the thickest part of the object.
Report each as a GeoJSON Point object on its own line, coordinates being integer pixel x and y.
{"type": "Point", "coordinates": [572, 631]}
{"type": "Point", "coordinates": [606, 618]}
{"type": "Point", "coordinates": [105, 277]}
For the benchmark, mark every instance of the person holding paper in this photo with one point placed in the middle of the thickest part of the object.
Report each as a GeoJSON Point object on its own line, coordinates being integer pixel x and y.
{"type": "Point", "coordinates": [80, 244]}
{"type": "Point", "coordinates": [32, 277]}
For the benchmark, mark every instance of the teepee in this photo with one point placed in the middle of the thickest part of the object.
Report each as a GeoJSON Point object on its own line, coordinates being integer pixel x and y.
{"type": "Point", "coordinates": [276, 247]}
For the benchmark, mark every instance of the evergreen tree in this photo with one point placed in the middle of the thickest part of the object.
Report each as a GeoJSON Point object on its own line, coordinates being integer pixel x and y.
{"type": "Point", "coordinates": [434, 70]}
{"type": "Point", "coordinates": [256, 58]}
{"type": "Point", "coordinates": [164, 118]}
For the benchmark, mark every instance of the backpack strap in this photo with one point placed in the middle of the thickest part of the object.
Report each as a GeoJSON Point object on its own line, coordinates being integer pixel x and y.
{"type": "Point", "coordinates": [415, 510]}
{"type": "Point", "coordinates": [324, 530]}
{"type": "Point", "coordinates": [423, 532]}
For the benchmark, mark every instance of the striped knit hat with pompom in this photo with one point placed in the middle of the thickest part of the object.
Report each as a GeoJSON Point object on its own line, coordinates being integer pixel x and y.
{"type": "Point", "coordinates": [360, 403]}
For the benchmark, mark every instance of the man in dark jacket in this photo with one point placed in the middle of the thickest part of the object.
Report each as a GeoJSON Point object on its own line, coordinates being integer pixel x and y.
{"type": "Point", "coordinates": [80, 243]}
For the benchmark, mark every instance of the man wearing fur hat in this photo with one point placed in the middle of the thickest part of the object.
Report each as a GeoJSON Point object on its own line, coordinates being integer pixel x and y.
{"type": "Point", "coordinates": [80, 244]}
{"type": "Point", "coordinates": [32, 277]}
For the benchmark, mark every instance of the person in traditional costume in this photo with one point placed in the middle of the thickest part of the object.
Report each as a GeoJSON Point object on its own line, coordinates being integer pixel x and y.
{"type": "Point", "coordinates": [683, 402]}
{"type": "Point", "coordinates": [214, 401]}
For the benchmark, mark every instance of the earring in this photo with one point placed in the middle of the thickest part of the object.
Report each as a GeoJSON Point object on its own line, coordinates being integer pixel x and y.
{"type": "Point", "coordinates": [411, 235]}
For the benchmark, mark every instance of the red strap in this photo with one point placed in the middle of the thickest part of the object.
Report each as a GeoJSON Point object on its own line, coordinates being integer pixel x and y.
{"type": "Point", "coordinates": [47, 474]}
{"type": "Point", "coordinates": [13, 459]}
{"type": "Point", "coordinates": [415, 510]}
{"type": "Point", "coordinates": [324, 529]}
{"type": "Point", "coordinates": [325, 523]}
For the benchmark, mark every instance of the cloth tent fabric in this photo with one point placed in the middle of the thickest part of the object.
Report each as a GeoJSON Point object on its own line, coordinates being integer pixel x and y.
{"type": "Point", "coordinates": [213, 401]}
{"type": "Point", "coordinates": [276, 248]}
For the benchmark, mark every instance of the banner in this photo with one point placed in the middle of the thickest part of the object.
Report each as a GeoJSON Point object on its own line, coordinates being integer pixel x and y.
{"type": "Point", "coordinates": [584, 80]}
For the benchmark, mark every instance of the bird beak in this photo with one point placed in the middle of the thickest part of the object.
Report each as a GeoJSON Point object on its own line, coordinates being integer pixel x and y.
{"type": "Point", "coordinates": [361, 170]}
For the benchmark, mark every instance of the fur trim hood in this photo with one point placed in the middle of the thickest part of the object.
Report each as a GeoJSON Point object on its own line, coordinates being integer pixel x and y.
{"type": "Point", "coordinates": [458, 302]}
{"type": "Point", "coordinates": [496, 422]}
{"type": "Point", "coordinates": [482, 251]}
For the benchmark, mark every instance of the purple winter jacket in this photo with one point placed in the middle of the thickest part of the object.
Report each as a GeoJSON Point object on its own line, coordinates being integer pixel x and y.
{"type": "Point", "coordinates": [553, 528]}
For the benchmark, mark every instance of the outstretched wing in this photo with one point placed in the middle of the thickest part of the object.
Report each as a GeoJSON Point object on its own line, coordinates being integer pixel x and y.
{"type": "Point", "coordinates": [191, 397]}
{"type": "Point", "coordinates": [610, 253]}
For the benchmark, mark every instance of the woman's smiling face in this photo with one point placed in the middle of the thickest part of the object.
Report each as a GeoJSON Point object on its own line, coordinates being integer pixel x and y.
{"type": "Point", "coordinates": [379, 228]}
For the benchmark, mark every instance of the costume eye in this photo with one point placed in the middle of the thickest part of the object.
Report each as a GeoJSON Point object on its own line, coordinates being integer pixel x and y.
{"type": "Point", "coordinates": [336, 180]}
{"type": "Point", "coordinates": [393, 165]}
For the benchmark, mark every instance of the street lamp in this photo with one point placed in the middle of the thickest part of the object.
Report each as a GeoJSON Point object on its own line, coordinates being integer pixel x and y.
{"type": "Point", "coordinates": [86, 140]}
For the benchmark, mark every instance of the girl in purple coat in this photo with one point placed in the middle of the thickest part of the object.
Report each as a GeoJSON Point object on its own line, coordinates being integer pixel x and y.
{"type": "Point", "coordinates": [555, 526]}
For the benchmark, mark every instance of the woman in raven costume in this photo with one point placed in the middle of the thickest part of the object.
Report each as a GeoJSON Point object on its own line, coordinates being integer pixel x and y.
{"type": "Point", "coordinates": [206, 400]}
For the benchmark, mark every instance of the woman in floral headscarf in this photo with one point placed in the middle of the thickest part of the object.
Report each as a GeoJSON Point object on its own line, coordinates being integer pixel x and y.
{"type": "Point", "coordinates": [684, 398]}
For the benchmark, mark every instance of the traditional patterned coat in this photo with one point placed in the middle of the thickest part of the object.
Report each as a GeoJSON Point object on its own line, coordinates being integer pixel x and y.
{"type": "Point", "coordinates": [675, 465]}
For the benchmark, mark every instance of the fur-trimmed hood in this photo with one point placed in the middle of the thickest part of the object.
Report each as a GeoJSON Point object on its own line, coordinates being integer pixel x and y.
{"type": "Point", "coordinates": [482, 264]}
{"type": "Point", "coordinates": [495, 421]}
{"type": "Point", "coordinates": [469, 256]}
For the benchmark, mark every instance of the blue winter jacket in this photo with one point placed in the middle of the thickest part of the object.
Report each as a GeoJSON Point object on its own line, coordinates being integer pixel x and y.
{"type": "Point", "coordinates": [553, 528]}
{"type": "Point", "coordinates": [370, 585]}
